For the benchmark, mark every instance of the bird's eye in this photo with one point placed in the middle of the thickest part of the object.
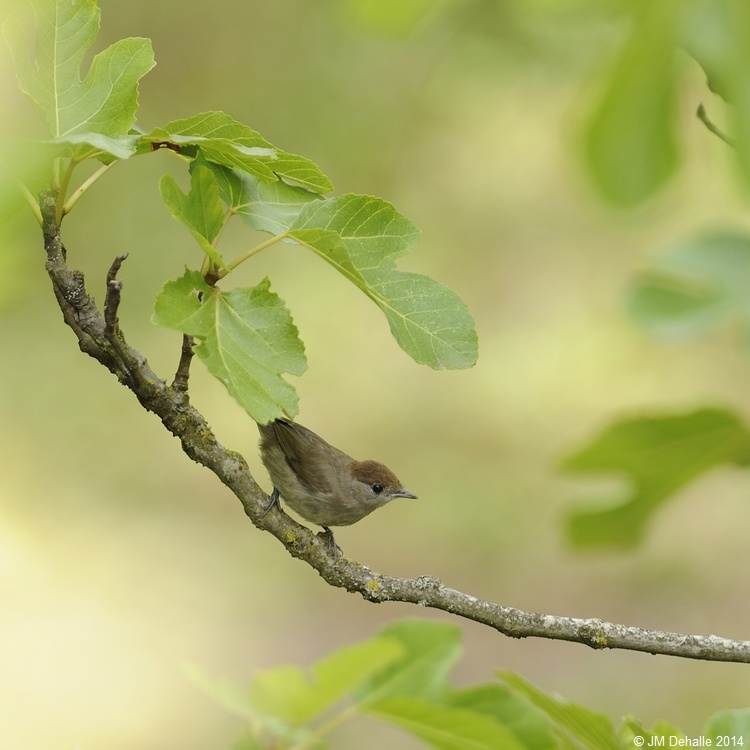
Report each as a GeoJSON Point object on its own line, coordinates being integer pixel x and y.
{"type": "Point", "coordinates": [377, 488]}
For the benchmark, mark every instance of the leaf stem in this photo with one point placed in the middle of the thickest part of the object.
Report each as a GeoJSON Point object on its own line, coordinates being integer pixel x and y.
{"type": "Point", "coordinates": [227, 216]}
{"type": "Point", "coordinates": [703, 117]}
{"type": "Point", "coordinates": [33, 203]}
{"type": "Point", "coordinates": [84, 186]}
{"type": "Point", "coordinates": [205, 266]}
{"type": "Point", "coordinates": [63, 189]}
{"type": "Point", "coordinates": [252, 251]}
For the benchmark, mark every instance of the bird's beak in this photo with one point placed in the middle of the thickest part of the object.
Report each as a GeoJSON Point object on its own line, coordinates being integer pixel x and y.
{"type": "Point", "coordinates": [403, 493]}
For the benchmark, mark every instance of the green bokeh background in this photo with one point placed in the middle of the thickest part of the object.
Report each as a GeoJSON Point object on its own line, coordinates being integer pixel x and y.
{"type": "Point", "coordinates": [120, 559]}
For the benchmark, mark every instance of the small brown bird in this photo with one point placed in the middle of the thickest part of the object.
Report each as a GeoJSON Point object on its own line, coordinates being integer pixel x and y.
{"type": "Point", "coordinates": [320, 482]}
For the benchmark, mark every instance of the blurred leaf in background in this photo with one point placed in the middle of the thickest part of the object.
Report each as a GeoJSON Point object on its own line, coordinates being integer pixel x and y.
{"type": "Point", "coordinates": [286, 708]}
{"type": "Point", "coordinates": [632, 137]}
{"type": "Point", "coordinates": [656, 456]}
{"type": "Point", "coordinates": [717, 34]}
{"type": "Point", "coordinates": [630, 140]}
{"type": "Point", "coordinates": [697, 286]}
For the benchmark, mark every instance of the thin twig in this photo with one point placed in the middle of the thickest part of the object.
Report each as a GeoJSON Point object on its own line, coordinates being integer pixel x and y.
{"type": "Point", "coordinates": [112, 298]}
{"type": "Point", "coordinates": [181, 377]}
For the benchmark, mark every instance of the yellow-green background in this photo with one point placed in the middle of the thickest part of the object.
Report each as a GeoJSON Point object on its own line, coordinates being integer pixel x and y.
{"type": "Point", "coordinates": [120, 559]}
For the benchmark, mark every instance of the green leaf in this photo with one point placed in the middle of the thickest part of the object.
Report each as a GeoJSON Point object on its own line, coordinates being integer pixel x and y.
{"type": "Point", "coordinates": [96, 146]}
{"type": "Point", "coordinates": [734, 724]}
{"type": "Point", "coordinates": [105, 102]}
{"type": "Point", "coordinates": [238, 702]}
{"type": "Point", "coordinates": [290, 694]}
{"type": "Point", "coordinates": [247, 340]}
{"type": "Point", "coordinates": [266, 206]}
{"type": "Point", "coordinates": [225, 141]}
{"type": "Point", "coordinates": [446, 727]}
{"type": "Point", "coordinates": [430, 650]}
{"type": "Point", "coordinates": [328, 244]}
{"type": "Point", "coordinates": [578, 725]}
{"type": "Point", "coordinates": [361, 237]}
{"type": "Point", "coordinates": [630, 139]}
{"type": "Point", "coordinates": [429, 321]}
{"type": "Point", "coordinates": [200, 210]}
{"type": "Point", "coordinates": [696, 286]}
{"type": "Point", "coordinates": [718, 35]}
{"type": "Point", "coordinates": [658, 456]}
{"type": "Point", "coordinates": [528, 724]}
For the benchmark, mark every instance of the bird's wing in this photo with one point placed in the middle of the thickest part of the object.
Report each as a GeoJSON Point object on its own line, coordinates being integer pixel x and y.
{"type": "Point", "coordinates": [302, 450]}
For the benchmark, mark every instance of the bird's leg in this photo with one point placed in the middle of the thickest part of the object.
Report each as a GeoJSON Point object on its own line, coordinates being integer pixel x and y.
{"type": "Point", "coordinates": [327, 536]}
{"type": "Point", "coordinates": [273, 501]}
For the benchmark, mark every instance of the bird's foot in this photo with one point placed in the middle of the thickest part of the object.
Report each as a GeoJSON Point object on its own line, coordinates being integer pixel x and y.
{"type": "Point", "coordinates": [327, 536]}
{"type": "Point", "coordinates": [273, 502]}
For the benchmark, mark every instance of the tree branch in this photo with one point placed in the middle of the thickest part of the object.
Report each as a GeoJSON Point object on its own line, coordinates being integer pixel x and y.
{"type": "Point", "coordinates": [100, 337]}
